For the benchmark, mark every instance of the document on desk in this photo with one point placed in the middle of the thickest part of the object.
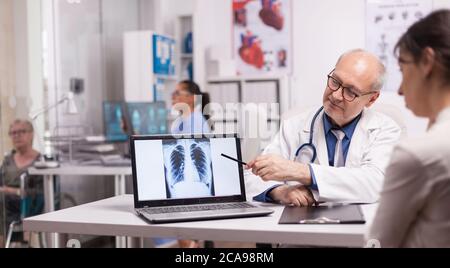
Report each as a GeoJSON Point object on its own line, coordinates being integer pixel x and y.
{"type": "Point", "coordinates": [323, 214]}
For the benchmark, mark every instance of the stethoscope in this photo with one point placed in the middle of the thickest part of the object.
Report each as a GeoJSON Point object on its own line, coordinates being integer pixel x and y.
{"type": "Point", "coordinates": [307, 152]}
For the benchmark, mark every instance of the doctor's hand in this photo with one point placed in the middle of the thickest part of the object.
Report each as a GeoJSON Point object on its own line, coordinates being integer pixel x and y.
{"type": "Point", "coordinates": [276, 168]}
{"type": "Point", "coordinates": [297, 195]}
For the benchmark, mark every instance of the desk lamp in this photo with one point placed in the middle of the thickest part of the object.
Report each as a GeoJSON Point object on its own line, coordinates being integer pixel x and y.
{"type": "Point", "coordinates": [71, 108]}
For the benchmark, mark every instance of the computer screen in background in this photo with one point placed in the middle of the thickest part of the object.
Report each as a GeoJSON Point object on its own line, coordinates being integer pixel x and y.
{"type": "Point", "coordinates": [147, 118]}
{"type": "Point", "coordinates": [115, 125]}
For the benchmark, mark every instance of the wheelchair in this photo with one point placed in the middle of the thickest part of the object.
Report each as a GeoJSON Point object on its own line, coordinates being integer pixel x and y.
{"type": "Point", "coordinates": [30, 205]}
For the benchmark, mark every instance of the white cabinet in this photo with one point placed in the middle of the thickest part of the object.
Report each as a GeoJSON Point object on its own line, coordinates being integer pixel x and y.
{"type": "Point", "coordinates": [250, 106]}
{"type": "Point", "coordinates": [149, 66]}
{"type": "Point", "coordinates": [185, 47]}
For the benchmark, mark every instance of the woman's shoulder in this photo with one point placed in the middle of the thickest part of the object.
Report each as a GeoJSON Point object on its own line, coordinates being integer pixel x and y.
{"type": "Point", "coordinates": [427, 148]}
{"type": "Point", "coordinates": [8, 156]}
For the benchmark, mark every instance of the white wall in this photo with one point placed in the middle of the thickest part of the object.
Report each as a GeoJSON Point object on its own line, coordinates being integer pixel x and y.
{"type": "Point", "coordinates": [165, 13]}
{"type": "Point", "coordinates": [28, 92]}
{"type": "Point", "coordinates": [212, 27]}
{"type": "Point", "coordinates": [441, 4]}
{"type": "Point", "coordinates": [7, 72]}
{"type": "Point", "coordinates": [322, 30]}
{"type": "Point", "coordinates": [113, 27]}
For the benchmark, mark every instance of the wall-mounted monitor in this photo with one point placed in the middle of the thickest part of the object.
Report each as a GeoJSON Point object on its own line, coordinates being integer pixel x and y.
{"type": "Point", "coordinates": [147, 118]}
{"type": "Point", "coordinates": [115, 123]}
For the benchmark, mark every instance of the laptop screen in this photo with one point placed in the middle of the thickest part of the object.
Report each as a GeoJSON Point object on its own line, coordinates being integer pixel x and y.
{"type": "Point", "coordinates": [183, 169]}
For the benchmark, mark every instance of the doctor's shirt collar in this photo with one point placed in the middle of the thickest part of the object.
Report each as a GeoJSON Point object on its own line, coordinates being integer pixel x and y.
{"type": "Point", "coordinates": [347, 129]}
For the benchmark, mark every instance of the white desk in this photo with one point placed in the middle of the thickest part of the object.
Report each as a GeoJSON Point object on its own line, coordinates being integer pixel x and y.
{"type": "Point", "coordinates": [119, 174]}
{"type": "Point", "coordinates": [116, 217]}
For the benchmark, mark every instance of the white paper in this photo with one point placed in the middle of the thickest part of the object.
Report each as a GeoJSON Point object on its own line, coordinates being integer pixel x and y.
{"type": "Point", "coordinates": [386, 22]}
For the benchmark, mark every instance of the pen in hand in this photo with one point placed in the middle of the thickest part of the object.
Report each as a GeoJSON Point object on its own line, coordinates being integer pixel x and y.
{"type": "Point", "coordinates": [234, 159]}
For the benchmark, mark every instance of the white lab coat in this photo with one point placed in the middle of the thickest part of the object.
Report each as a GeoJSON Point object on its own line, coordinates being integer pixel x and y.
{"type": "Point", "coordinates": [369, 153]}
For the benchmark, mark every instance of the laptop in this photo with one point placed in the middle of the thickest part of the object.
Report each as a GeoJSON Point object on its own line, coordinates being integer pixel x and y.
{"type": "Point", "coordinates": [179, 178]}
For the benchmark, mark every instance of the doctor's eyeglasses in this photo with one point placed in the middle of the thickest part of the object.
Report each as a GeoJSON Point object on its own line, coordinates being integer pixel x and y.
{"type": "Point", "coordinates": [348, 93]}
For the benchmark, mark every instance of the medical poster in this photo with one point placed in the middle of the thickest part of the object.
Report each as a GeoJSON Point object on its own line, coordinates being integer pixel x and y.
{"type": "Point", "coordinates": [163, 55]}
{"type": "Point", "coordinates": [262, 36]}
{"type": "Point", "coordinates": [386, 21]}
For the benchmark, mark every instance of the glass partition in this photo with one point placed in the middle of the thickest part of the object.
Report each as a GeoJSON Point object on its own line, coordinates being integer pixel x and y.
{"type": "Point", "coordinates": [83, 55]}
{"type": "Point", "coordinates": [2, 221]}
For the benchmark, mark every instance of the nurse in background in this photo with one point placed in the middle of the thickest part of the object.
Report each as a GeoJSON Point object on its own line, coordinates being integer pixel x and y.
{"type": "Point", "coordinates": [186, 98]}
{"type": "Point", "coordinates": [414, 208]}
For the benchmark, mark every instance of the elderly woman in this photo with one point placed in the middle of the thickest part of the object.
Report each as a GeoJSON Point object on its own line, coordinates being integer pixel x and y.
{"type": "Point", "coordinates": [414, 208]}
{"type": "Point", "coordinates": [14, 165]}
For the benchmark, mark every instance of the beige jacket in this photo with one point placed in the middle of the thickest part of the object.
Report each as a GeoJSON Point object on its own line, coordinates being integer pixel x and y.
{"type": "Point", "coordinates": [414, 208]}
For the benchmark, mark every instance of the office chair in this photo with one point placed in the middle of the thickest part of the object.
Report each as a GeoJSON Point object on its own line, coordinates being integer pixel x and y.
{"type": "Point", "coordinates": [29, 206]}
{"type": "Point", "coordinates": [391, 110]}
{"type": "Point", "coordinates": [395, 113]}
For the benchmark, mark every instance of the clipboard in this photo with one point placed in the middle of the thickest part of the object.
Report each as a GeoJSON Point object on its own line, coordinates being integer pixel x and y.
{"type": "Point", "coordinates": [324, 214]}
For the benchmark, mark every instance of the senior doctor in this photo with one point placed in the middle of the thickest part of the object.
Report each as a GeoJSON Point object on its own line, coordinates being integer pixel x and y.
{"type": "Point", "coordinates": [338, 152]}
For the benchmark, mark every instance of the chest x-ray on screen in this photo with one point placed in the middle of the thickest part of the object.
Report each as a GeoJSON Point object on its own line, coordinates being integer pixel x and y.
{"type": "Point", "coordinates": [188, 168]}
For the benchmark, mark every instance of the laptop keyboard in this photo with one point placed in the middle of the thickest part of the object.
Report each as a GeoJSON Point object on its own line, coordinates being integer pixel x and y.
{"type": "Point", "coordinates": [162, 210]}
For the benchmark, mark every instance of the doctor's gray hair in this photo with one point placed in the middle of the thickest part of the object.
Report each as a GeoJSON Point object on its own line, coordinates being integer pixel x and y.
{"type": "Point", "coordinates": [378, 84]}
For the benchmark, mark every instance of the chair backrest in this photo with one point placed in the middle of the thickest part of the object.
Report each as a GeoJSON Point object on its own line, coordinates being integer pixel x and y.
{"type": "Point", "coordinates": [30, 205]}
{"type": "Point", "coordinates": [295, 111]}
{"type": "Point", "coordinates": [256, 131]}
{"type": "Point", "coordinates": [394, 112]}
{"type": "Point", "coordinates": [247, 126]}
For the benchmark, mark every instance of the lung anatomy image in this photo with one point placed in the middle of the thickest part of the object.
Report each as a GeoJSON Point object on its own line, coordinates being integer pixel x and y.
{"type": "Point", "coordinates": [188, 168]}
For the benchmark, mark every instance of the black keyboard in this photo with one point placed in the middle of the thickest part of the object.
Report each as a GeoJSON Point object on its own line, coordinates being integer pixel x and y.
{"type": "Point", "coordinates": [162, 210]}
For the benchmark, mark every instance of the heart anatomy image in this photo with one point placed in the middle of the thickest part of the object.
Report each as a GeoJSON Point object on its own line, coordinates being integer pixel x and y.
{"type": "Point", "coordinates": [188, 168]}
{"type": "Point", "coordinates": [262, 36]}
